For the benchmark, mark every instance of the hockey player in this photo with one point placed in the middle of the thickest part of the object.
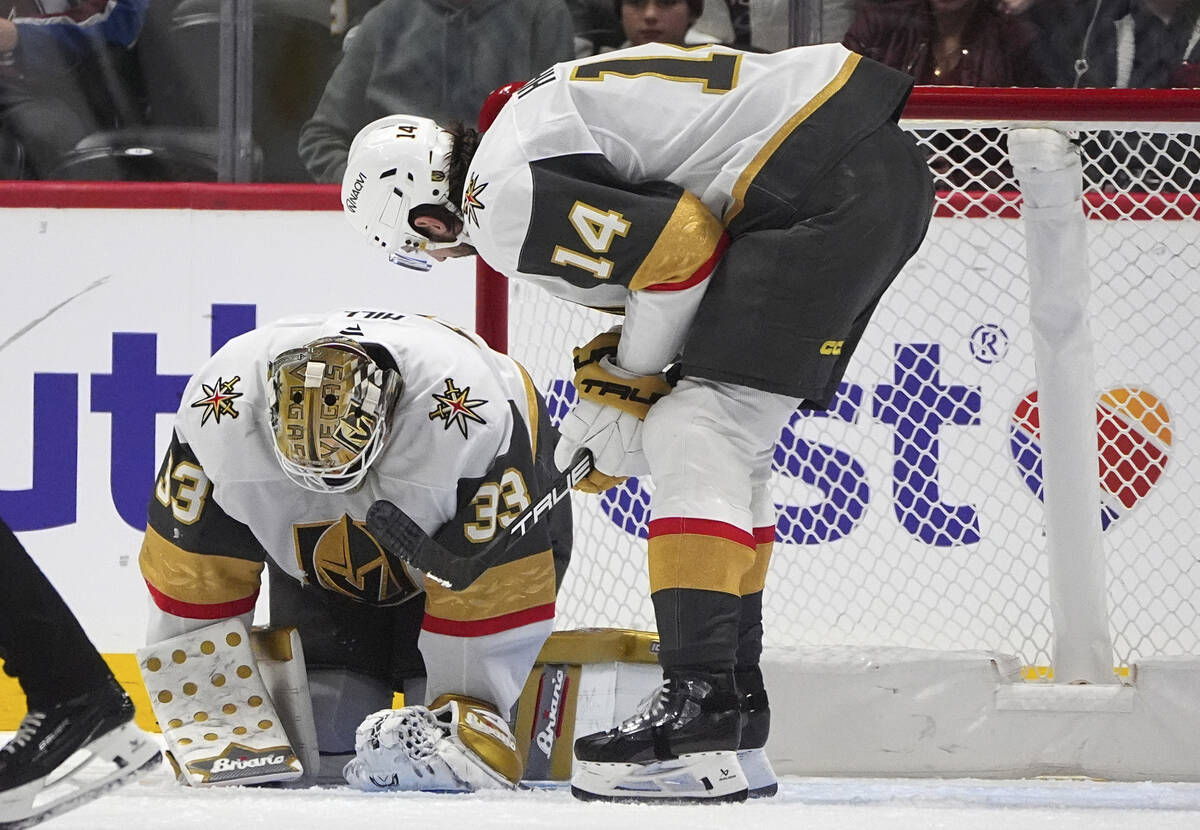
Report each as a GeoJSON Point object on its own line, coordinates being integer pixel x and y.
{"type": "Point", "coordinates": [283, 440]}
{"type": "Point", "coordinates": [73, 703]}
{"type": "Point", "coordinates": [746, 212]}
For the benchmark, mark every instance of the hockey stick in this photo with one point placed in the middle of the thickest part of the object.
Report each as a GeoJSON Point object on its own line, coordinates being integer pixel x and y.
{"type": "Point", "coordinates": [400, 536]}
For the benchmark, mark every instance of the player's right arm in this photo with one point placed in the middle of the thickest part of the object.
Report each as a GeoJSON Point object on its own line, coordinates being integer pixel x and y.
{"type": "Point", "coordinates": [200, 565]}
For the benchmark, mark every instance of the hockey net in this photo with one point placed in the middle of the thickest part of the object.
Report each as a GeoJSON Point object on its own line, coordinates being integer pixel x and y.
{"type": "Point", "coordinates": [912, 513]}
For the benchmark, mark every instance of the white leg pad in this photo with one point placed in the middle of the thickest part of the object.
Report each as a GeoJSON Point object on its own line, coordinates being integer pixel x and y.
{"type": "Point", "coordinates": [217, 717]}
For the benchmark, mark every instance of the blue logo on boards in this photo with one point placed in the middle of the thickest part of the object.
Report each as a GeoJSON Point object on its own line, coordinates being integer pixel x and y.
{"type": "Point", "coordinates": [915, 405]}
{"type": "Point", "coordinates": [133, 393]}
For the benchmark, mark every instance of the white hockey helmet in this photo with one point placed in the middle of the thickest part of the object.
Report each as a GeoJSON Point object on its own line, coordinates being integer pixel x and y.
{"type": "Point", "coordinates": [330, 407]}
{"type": "Point", "coordinates": [397, 169]}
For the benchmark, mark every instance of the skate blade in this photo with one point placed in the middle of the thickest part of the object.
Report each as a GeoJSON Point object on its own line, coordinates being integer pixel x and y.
{"type": "Point", "coordinates": [126, 748]}
{"type": "Point", "coordinates": [760, 777]}
{"type": "Point", "coordinates": [702, 777]}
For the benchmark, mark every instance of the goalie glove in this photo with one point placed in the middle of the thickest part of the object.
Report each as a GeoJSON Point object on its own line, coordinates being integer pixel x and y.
{"type": "Point", "coordinates": [608, 417]}
{"type": "Point", "coordinates": [460, 745]}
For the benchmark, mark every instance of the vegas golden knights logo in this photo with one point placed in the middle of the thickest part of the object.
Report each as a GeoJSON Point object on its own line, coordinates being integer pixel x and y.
{"type": "Point", "coordinates": [344, 558]}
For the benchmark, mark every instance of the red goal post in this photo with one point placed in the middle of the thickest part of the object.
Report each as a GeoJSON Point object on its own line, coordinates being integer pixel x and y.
{"type": "Point", "coordinates": [1009, 468]}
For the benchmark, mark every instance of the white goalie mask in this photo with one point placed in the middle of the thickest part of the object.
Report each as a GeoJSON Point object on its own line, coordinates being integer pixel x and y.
{"type": "Point", "coordinates": [397, 169]}
{"type": "Point", "coordinates": [330, 407]}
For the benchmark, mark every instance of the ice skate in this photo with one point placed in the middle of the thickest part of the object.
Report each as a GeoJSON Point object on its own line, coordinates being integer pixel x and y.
{"type": "Point", "coordinates": [682, 746]}
{"type": "Point", "coordinates": [756, 724]}
{"type": "Point", "coordinates": [68, 754]}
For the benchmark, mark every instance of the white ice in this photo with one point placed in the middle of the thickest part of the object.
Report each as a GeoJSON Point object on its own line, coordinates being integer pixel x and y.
{"type": "Point", "coordinates": [802, 804]}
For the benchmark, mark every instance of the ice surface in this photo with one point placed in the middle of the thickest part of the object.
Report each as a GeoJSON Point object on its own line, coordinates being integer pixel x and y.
{"type": "Point", "coordinates": [803, 803]}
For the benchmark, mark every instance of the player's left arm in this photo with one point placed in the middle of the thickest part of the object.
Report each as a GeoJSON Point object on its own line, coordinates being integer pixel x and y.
{"type": "Point", "coordinates": [592, 228]}
{"type": "Point", "coordinates": [482, 642]}
{"type": "Point", "coordinates": [479, 645]}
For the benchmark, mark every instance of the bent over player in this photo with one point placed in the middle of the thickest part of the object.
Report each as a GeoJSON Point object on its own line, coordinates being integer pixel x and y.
{"type": "Point", "coordinates": [283, 440]}
{"type": "Point", "coordinates": [746, 212]}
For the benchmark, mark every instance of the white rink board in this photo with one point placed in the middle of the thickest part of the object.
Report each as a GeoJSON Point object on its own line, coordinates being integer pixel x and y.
{"type": "Point", "coordinates": [77, 280]}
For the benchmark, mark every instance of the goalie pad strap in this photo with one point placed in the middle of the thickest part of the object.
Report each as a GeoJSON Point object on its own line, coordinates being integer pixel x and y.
{"type": "Point", "coordinates": [483, 733]}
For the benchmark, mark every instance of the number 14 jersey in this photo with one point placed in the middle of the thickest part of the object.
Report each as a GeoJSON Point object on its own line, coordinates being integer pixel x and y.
{"type": "Point", "coordinates": [629, 171]}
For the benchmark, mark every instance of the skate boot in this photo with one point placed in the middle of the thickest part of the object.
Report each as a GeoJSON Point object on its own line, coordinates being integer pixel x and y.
{"type": "Point", "coordinates": [40, 762]}
{"type": "Point", "coordinates": [756, 724]}
{"type": "Point", "coordinates": [681, 746]}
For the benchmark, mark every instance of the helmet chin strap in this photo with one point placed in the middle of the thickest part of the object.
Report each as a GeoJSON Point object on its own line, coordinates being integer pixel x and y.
{"type": "Point", "coordinates": [416, 260]}
{"type": "Point", "coordinates": [413, 252]}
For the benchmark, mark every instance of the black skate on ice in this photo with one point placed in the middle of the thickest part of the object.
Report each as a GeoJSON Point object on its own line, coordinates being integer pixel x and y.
{"type": "Point", "coordinates": [36, 780]}
{"type": "Point", "coordinates": [682, 746]}
{"type": "Point", "coordinates": [756, 725]}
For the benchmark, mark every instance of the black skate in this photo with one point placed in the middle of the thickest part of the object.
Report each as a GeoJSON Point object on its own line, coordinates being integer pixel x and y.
{"type": "Point", "coordinates": [682, 746]}
{"type": "Point", "coordinates": [756, 724]}
{"type": "Point", "coordinates": [40, 773]}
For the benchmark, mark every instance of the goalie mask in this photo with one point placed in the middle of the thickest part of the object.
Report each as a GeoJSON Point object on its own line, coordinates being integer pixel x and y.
{"type": "Point", "coordinates": [396, 171]}
{"type": "Point", "coordinates": [330, 408]}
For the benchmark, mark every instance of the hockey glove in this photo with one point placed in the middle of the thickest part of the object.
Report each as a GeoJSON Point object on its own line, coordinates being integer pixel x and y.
{"type": "Point", "coordinates": [608, 417]}
{"type": "Point", "coordinates": [460, 745]}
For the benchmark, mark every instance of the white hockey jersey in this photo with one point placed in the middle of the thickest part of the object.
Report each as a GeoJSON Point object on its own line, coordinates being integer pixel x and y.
{"type": "Point", "coordinates": [459, 460]}
{"type": "Point", "coordinates": [617, 181]}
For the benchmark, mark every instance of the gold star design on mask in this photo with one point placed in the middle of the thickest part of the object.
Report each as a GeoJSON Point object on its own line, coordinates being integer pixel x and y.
{"type": "Point", "coordinates": [471, 203]}
{"type": "Point", "coordinates": [456, 407]}
{"type": "Point", "coordinates": [219, 400]}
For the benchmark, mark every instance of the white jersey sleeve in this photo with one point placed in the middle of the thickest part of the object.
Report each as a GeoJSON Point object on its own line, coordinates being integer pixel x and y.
{"type": "Point", "coordinates": [460, 459]}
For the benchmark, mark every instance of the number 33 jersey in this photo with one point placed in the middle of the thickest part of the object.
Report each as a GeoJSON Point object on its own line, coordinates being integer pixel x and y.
{"type": "Point", "coordinates": [461, 459]}
{"type": "Point", "coordinates": [629, 171]}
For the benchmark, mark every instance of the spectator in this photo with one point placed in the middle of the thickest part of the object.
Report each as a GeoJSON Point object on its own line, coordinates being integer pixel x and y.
{"type": "Point", "coordinates": [46, 50]}
{"type": "Point", "coordinates": [961, 42]}
{"type": "Point", "coordinates": [661, 21]}
{"type": "Point", "coordinates": [765, 25]}
{"type": "Point", "coordinates": [597, 26]}
{"type": "Point", "coordinates": [440, 58]}
{"type": "Point", "coordinates": [1120, 43]}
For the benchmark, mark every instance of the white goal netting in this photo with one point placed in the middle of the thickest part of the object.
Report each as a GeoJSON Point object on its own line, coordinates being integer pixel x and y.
{"type": "Point", "coordinates": [911, 513]}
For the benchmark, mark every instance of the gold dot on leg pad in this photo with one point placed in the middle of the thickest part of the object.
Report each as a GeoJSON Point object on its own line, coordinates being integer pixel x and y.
{"type": "Point", "coordinates": [179, 655]}
{"type": "Point", "coordinates": [201, 716]}
{"type": "Point", "coordinates": [207, 647]}
{"type": "Point", "coordinates": [189, 688]}
{"type": "Point", "coordinates": [255, 700]}
{"type": "Point", "coordinates": [265, 724]}
{"type": "Point", "coordinates": [233, 638]}
{"type": "Point", "coordinates": [239, 730]}
{"type": "Point", "coordinates": [244, 672]}
{"type": "Point", "coordinates": [153, 664]}
{"type": "Point", "coordinates": [165, 697]}
{"type": "Point", "coordinates": [229, 708]}
{"type": "Point", "coordinates": [218, 680]}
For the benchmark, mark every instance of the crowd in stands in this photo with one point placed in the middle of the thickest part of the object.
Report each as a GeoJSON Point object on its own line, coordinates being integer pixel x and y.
{"type": "Point", "coordinates": [81, 79]}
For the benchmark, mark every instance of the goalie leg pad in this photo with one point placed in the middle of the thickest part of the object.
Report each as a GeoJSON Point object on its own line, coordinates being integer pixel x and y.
{"type": "Point", "coordinates": [460, 745]}
{"type": "Point", "coordinates": [217, 718]}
